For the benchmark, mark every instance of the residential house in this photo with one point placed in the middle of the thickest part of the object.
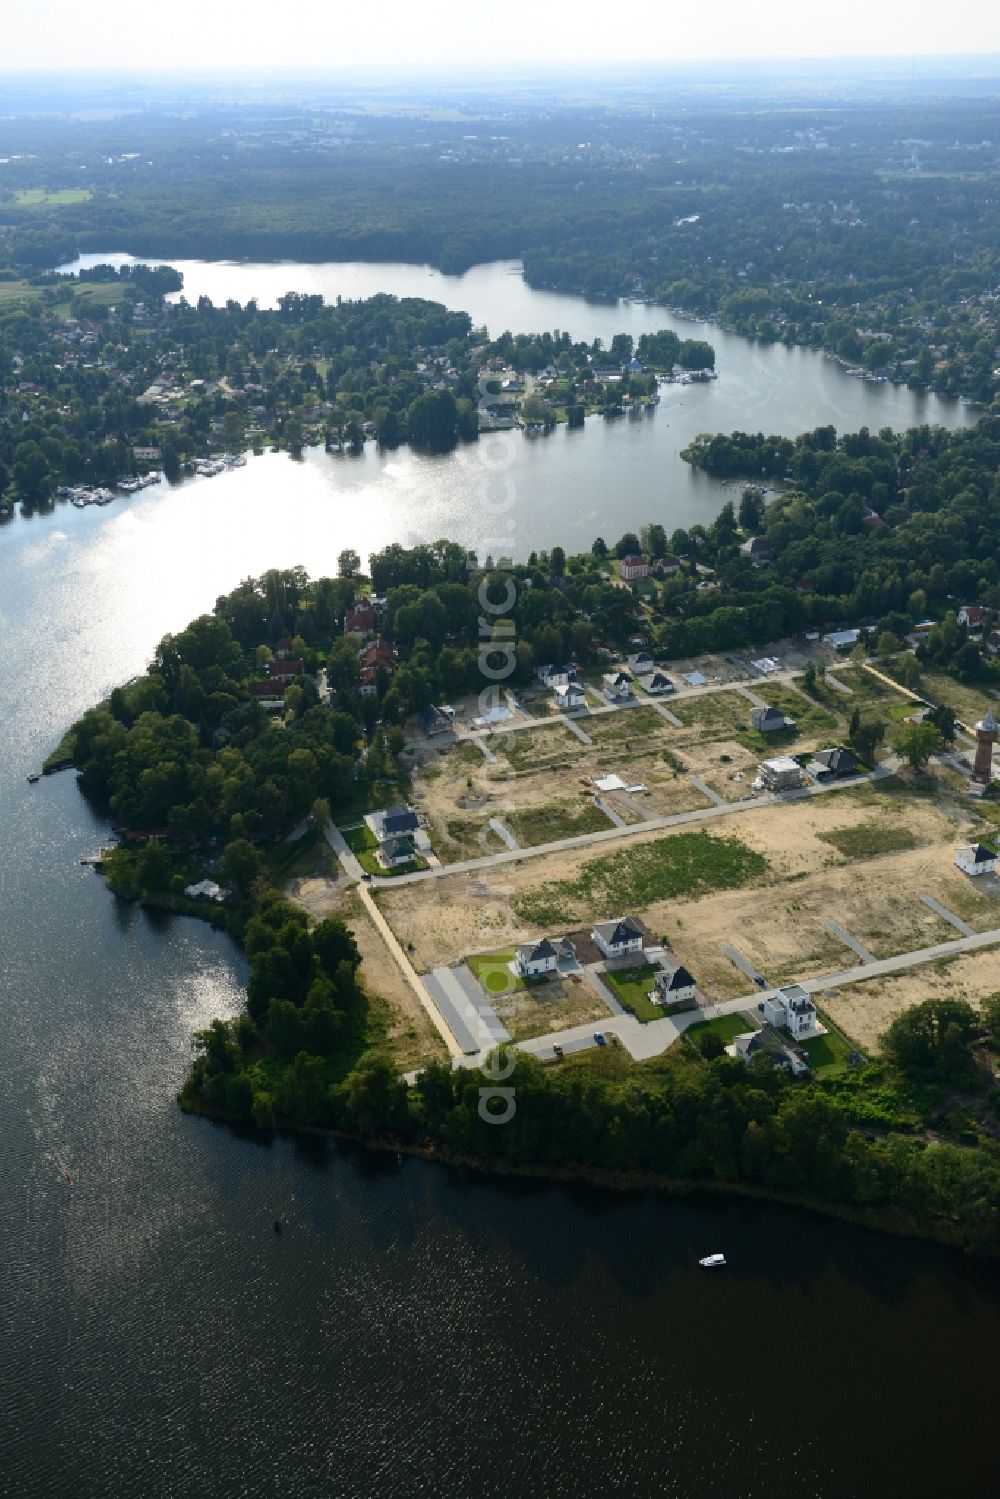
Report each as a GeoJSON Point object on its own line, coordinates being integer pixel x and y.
{"type": "Point", "coordinates": [666, 567]}
{"type": "Point", "coordinates": [976, 859]}
{"type": "Point", "coordinates": [758, 549]}
{"type": "Point", "coordinates": [769, 720]}
{"type": "Point", "coordinates": [763, 1043]}
{"type": "Point", "coordinates": [394, 852]}
{"type": "Point", "coordinates": [842, 640]}
{"type": "Point", "coordinates": [360, 621]}
{"type": "Point", "coordinates": [633, 569]}
{"type": "Point", "coordinates": [533, 959]}
{"type": "Point", "coordinates": [791, 1010]}
{"type": "Point", "coordinates": [267, 692]}
{"type": "Point", "coordinates": [641, 663]}
{"type": "Point", "coordinates": [617, 686]}
{"type": "Point", "coordinates": [392, 822]}
{"type": "Point", "coordinates": [434, 721]}
{"type": "Point", "coordinates": [658, 682]}
{"type": "Point", "coordinates": [569, 695]}
{"type": "Point", "coordinates": [619, 938]}
{"type": "Point", "coordinates": [780, 774]}
{"type": "Point", "coordinates": [285, 671]}
{"type": "Point", "coordinates": [673, 985]}
{"type": "Point", "coordinates": [834, 764]}
{"type": "Point", "coordinates": [973, 615]}
{"type": "Point", "coordinates": [993, 643]}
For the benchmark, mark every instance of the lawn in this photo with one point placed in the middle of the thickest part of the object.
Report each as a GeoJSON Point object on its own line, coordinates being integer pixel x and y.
{"type": "Point", "coordinates": [41, 197]}
{"type": "Point", "coordinates": [632, 986]}
{"type": "Point", "coordinates": [866, 840]}
{"type": "Point", "coordinates": [718, 713]}
{"type": "Point", "coordinates": [809, 715]}
{"type": "Point", "coordinates": [682, 866]}
{"type": "Point", "coordinates": [967, 703]}
{"type": "Point", "coordinates": [727, 1027]}
{"type": "Point", "coordinates": [491, 969]}
{"type": "Point", "coordinates": [363, 843]}
{"type": "Point", "coordinates": [827, 1054]}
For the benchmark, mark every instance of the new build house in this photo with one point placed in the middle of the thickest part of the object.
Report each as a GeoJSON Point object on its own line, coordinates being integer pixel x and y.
{"type": "Point", "coordinates": [534, 959]}
{"type": "Point", "coordinates": [673, 985]}
{"type": "Point", "coordinates": [780, 774]}
{"type": "Point", "coordinates": [769, 720]}
{"type": "Point", "coordinates": [976, 859]}
{"type": "Point", "coordinates": [392, 822]}
{"type": "Point", "coordinates": [617, 686]}
{"type": "Point", "coordinates": [617, 939]}
{"type": "Point", "coordinates": [791, 1010]}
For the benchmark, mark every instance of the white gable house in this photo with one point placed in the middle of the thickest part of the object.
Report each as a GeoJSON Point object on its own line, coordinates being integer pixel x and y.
{"type": "Point", "coordinates": [976, 859]}
{"type": "Point", "coordinates": [616, 939]}
{"type": "Point", "coordinates": [672, 985]}
{"type": "Point", "coordinates": [533, 959]}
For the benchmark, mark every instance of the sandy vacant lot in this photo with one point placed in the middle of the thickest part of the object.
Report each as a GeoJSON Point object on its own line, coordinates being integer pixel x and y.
{"type": "Point", "coordinates": [778, 926]}
{"type": "Point", "coordinates": [550, 1007]}
{"type": "Point", "coordinates": [864, 1010]}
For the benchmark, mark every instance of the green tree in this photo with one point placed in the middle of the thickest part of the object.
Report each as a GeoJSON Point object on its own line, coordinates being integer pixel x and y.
{"type": "Point", "coordinates": [240, 864]}
{"type": "Point", "coordinates": [917, 742]}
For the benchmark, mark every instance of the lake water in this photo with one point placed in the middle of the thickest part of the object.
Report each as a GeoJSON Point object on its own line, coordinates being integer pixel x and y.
{"type": "Point", "coordinates": [416, 1330]}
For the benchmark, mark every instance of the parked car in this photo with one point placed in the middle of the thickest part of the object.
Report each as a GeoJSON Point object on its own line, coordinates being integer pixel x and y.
{"type": "Point", "coordinates": [760, 981]}
{"type": "Point", "coordinates": [600, 1038]}
{"type": "Point", "coordinates": [557, 1050]}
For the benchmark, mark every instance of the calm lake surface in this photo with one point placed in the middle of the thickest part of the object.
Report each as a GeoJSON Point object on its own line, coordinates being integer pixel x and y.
{"type": "Point", "coordinates": [416, 1330]}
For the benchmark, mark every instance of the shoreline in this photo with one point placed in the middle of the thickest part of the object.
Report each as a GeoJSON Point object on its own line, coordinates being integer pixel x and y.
{"type": "Point", "coordinates": [621, 1181]}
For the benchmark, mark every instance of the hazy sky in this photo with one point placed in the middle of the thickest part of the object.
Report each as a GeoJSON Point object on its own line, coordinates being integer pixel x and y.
{"type": "Point", "coordinates": [192, 35]}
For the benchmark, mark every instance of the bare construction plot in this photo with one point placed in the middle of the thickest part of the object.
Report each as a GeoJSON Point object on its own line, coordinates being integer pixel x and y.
{"type": "Point", "coordinates": [864, 1010]}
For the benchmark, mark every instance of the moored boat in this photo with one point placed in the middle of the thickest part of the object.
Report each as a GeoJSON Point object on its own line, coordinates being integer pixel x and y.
{"type": "Point", "coordinates": [713, 1262]}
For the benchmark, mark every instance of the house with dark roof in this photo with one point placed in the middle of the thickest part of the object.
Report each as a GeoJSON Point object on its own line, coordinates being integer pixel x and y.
{"type": "Point", "coordinates": [758, 549]}
{"type": "Point", "coordinates": [768, 720]}
{"type": "Point", "coordinates": [976, 859]}
{"type": "Point", "coordinates": [673, 985]}
{"type": "Point", "coordinates": [833, 764]}
{"type": "Point", "coordinates": [569, 695]}
{"type": "Point", "coordinates": [434, 721]}
{"type": "Point", "coordinates": [764, 1043]}
{"type": "Point", "coordinates": [392, 822]}
{"type": "Point", "coordinates": [618, 938]}
{"type": "Point", "coordinates": [617, 686]}
{"type": "Point", "coordinates": [533, 959]}
{"type": "Point", "coordinates": [658, 682]}
{"type": "Point", "coordinates": [394, 852]}
{"type": "Point", "coordinates": [267, 692]}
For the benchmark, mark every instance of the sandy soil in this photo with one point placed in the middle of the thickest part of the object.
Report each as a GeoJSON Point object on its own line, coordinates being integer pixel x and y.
{"type": "Point", "coordinates": [780, 928]}
{"type": "Point", "coordinates": [550, 1007]}
{"type": "Point", "coordinates": [864, 1010]}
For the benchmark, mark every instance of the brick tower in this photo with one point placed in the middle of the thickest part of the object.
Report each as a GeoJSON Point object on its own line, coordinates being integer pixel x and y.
{"type": "Point", "coordinates": [987, 732]}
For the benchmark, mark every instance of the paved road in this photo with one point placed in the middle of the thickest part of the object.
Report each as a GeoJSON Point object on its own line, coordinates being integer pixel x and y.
{"type": "Point", "coordinates": [743, 964]}
{"type": "Point", "coordinates": [706, 790]}
{"type": "Point", "coordinates": [503, 831]}
{"type": "Point", "coordinates": [575, 728]}
{"type": "Point", "coordinates": [481, 744]}
{"type": "Point", "coordinates": [650, 1040]}
{"type": "Point", "coordinates": [842, 935]}
{"type": "Point", "coordinates": [751, 696]}
{"type": "Point", "coordinates": [614, 817]}
{"type": "Point", "coordinates": [655, 824]}
{"type": "Point", "coordinates": [338, 843]}
{"type": "Point", "coordinates": [665, 712]}
{"type": "Point", "coordinates": [949, 916]}
{"type": "Point", "coordinates": [838, 685]}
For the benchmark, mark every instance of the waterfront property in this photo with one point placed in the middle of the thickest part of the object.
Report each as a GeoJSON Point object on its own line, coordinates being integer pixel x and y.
{"type": "Point", "coordinates": [792, 1010]}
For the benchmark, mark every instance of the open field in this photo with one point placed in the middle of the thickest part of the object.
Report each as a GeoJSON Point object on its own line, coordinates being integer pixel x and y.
{"type": "Point", "coordinates": [555, 820]}
{"type": "Point", "coordinates": [967, 703]}
{"type": "Point", "coordinates": [552, 1005]}
{"type": "Point", "coordinates": [41, 197]}
{"type": "Point", "coordinates": [863, 1011]}
{"type": "Point", "coordinates": [790, 853]}
{"type": "Point", "coordinates": [868, 692]}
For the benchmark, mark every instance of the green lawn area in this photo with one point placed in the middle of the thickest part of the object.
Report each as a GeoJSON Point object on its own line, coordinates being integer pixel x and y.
{"type": "Point", "coordinates": [724, 1026]}
{"type": "Point", "coordinates": [363, 843]}
{"type": "Point", "coordinates": [868, 689]}
{"type": "Point", "coordinates": [492, 972]}
{"type": "Point", "coordinates": [632, 986]}
{"type": "Point", "coordinates": [626, 726]}
{"type": "Point", "coordinates": [809, 715]}
{"type": "Point", "coordinates": [681, 866]}
{"type": "Point", "coordinates": [40, 197]}
{"type": "Point", "coordinates": [827, 1054]}
{"type": "Point", "coordinates": [283, 860]}
{"type": "Point", "coordinates": [555, 820]}
{"type": "Point", "coordinates": [968, 703]}
{"type": "Point", "coordinates": [720, 714]}
{"type": "Point", "coordinates": [866, 840]}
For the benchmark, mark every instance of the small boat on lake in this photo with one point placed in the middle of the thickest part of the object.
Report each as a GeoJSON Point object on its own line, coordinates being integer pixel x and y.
{"type": "Point", "coordinates": [35, 775]}
{"type": "Point", "coordinates": [713, 1262]}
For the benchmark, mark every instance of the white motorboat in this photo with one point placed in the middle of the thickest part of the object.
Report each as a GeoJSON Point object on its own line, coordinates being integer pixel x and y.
{"type": "Point", "coordinates": [713, 1262]}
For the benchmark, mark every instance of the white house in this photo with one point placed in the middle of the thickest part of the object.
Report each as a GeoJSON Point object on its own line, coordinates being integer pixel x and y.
{"type": "Point", "coordinates": [392, 822]}
{"type": "Point", "coordinates": [672, 985]}
{"type": "Point", "coordinates": [792, 1010]}
{"type": "Point", "coordinates": [761, 1044]}
{"type": "Point", "coordinates": [616, 939]}
{"type": "Point", "coordinates": [532, 959]}
{"type": "Point", "coordinates": [617, 686]}
{"type": "Point", "coordinates": [394, 852]}
{"type": "Point", "coordinates": [768, 720]}
{"type": "Point", "coordinates": [569, 695]}
{"type": "Point", "coordinates": [975, 859]}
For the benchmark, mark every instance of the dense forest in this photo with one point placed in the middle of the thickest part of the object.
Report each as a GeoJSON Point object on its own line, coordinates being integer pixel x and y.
{"type": "Point", "coordinates": [869, 230]}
